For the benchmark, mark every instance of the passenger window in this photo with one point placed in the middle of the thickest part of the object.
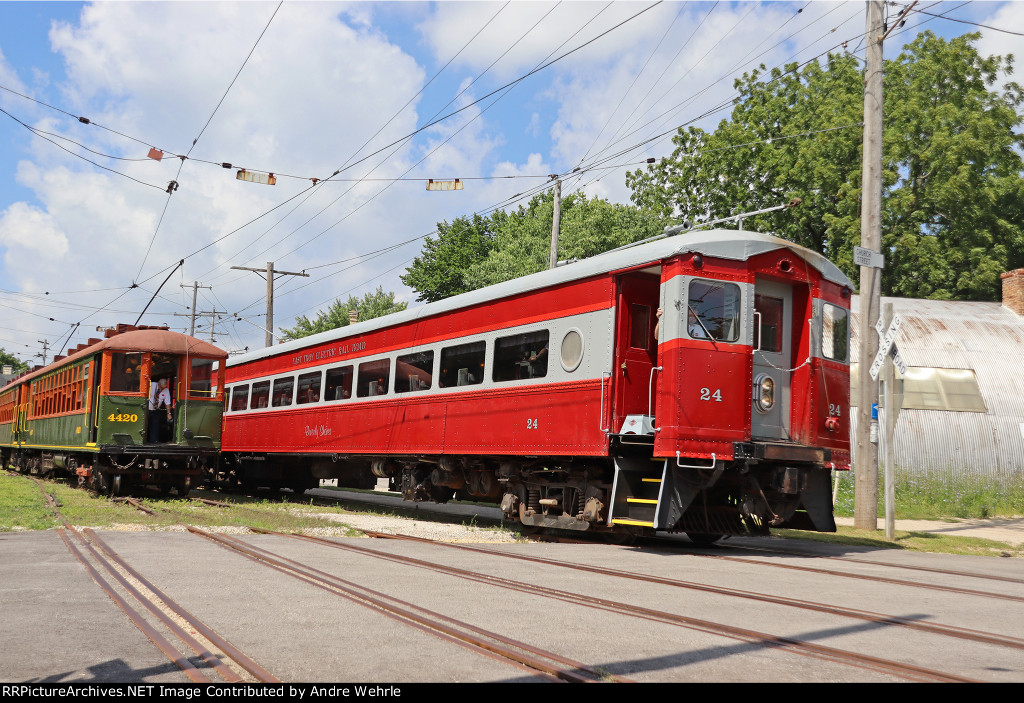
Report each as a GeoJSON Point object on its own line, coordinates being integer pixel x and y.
{"type": "Point", "coordinates": [521, 356]}
{"type": "Point", "coordinates": [283, 388]}
{"type": "Point", "coordinates": [309, 388]}
{"type": "Point", "coordinates": [768, 324]}
{"type": "Point", "coordinates": [414, 372]}
{"type": "Point", "coordinates": [239, 397]}
{"type": "Point", "coordinates": [713, 308]}
{"type": "Point", "coordinates": [374, 377]}
{"type": "Point", "coordinates": [462, 365]}
{"type": "Point", "coordinates": [338, 385]}
{"type": "Point", "coordinates": [835, 332]}
{"type": "Point", "coordinates": [260, 395]}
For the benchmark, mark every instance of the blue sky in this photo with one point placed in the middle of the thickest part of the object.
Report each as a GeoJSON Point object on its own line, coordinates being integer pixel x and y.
{"type": "Point", "coordinates": [324, 78]}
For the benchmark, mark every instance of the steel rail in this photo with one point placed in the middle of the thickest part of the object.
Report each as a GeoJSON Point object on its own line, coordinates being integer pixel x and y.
{"type": "Point", "coordinates": [136, 618]}
{"type": "Point", "coordinates": [882, 618]}
{"type": "Point", "coordinates": [872, 577]}
{"type": "Point", "coordinates": [454, 630]}
{"type": "Point", "coordinates": [243, 660]}
{"type": "Point", "coordinates": [906, 671]}
{"type": "Point", "coordinates": [872, 562]}
{"type": "Point", "coordinates": [140, 622]}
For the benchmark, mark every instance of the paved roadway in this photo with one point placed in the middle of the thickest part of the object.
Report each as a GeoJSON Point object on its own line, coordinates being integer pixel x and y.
{"type": "Point", "coordinates": [58, 626]}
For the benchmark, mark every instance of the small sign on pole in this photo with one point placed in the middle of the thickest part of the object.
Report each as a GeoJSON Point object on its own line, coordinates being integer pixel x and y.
{"type": "Point", "coordinates": [867, 257]}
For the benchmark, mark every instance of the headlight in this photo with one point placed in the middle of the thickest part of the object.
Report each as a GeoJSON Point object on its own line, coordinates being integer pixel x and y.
{"type": "Point", "coordinates": [764, 393]}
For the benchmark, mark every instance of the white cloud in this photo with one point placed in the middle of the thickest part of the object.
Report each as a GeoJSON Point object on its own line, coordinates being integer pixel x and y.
{"type": "Point", "coordinates": [29, 232]}
{"type": "Point", "coordinates": [1008, 16]}
{"type": "Point", "coordinates": [314, 91]}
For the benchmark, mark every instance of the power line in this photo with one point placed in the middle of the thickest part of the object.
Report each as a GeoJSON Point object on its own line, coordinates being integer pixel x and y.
{"type": "Point", "coordinates": [173, 186]}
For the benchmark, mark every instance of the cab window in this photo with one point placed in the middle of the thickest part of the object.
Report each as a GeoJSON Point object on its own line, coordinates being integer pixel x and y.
{"type": "Point", "coordinates": [202, 381]}
{"type": "Point", "coordinates": [124, 372]}
{"type": "Point", "coordinates": [835, 332]}
{"type": "Point", "coordinates": [713, 308]}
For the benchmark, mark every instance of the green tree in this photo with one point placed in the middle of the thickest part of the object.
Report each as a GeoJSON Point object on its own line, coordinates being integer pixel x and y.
{"type": "Point", "coordinates": [371, 305]}
{"type": "Point", "coordinates": [953, 177]}
{"type": "Point", "coordinates": [440, 270]}
{"type": "Point", "coordinates": [17, 364]}
{"type": "Point", "coordinates": [503, 246]}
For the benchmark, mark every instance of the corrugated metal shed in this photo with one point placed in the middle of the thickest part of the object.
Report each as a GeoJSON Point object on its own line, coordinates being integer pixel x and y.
{"type": "Point", "coordinates": [986, 338]}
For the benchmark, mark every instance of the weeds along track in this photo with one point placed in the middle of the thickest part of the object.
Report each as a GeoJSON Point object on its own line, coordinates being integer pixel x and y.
{"type": "Point", "coordinates": [213, 659]}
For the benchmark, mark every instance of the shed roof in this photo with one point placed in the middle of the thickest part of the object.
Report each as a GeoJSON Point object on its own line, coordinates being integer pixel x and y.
{"type": "Point", "coordinates": [988, 339]}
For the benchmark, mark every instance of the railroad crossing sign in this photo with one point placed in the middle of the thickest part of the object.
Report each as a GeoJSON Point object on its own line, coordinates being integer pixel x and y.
{"type": "Point", "coordinates": [887, 345]}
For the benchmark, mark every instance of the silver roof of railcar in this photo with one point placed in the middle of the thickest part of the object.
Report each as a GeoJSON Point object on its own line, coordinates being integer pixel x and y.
{"type": "Point", "coordinates": [733, 244]}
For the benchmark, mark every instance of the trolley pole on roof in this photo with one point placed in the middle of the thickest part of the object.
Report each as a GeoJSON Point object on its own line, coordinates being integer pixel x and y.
{"type": "Point", "coordinates": [866, 467]}
{"type": "Point", "coordinates": [270, 272]}
{"type": "Point", "coordinates": [556, 220]}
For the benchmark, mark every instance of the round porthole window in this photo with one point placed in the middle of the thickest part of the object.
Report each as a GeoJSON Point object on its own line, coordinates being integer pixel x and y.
{"type": "Point", "coordinates": [572, 350]}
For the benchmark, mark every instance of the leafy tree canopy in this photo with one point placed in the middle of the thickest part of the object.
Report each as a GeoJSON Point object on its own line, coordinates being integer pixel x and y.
{"type": "Point", "coordinates": [440, 270]}
{"type": "Point", "coordinates": [471, 254]}
{"type": "Point", "coordinates": [7, 358]}
{"type": "Point", "coordinates": [371, 305]}
{"type": "Point", "coordinates": [953, 176]}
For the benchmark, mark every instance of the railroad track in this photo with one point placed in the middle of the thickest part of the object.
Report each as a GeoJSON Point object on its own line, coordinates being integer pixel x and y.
{"type": "Point", "coordinates": [88, 547]}
{"type": "Point", "coordinates": [213, 658]}
{"type": "Point", "coordinates": [900, 670]}
{"type": "Point", "coordinates": [546, 664]}
{"type": "Point", "coordinates": [867, 616]}
{"type": "Point", "coordinates": [875, 562]}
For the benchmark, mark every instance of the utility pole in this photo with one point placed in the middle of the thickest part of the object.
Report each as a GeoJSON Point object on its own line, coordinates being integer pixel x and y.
{"type": "Point", "coordinates": [555, 222]}
{"type": "Point", "coordinates": [866, 487]}
{"type": "Point", "coordinates": [195, 290]}
{"type": "Point", "coordinates": [269, 339]}
{"type": "Point", "coordinates": [46, 349]}
{"type": "Point", "coordinates": [213, 319]}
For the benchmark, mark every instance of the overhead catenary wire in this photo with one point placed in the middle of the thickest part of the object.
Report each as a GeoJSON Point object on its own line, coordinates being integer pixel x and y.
{"type": "Point", "coordinates": [316, 182]}
{"type": "Point", "coordinates": [591, 168]}
{"type": "Point", "coordinates": [173, 186]}
{"type": "Point", "coordinates": [285, 288]}
{"type": "Point", "coordinates": [450, 137]}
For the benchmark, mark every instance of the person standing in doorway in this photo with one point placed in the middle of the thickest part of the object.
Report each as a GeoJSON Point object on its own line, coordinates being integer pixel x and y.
{"type": "Point", "coordinates": [159, 407]}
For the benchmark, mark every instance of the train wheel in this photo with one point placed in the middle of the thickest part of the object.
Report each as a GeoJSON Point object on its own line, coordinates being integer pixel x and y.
{"type": "Point", "coordinates": [183, 486]}
{"type": "Point", "coordinates": [620, 536]}
{"type": "Point", "coordinates": [702, 539]}
{"type": "Point", "coordinates": [97, 481]}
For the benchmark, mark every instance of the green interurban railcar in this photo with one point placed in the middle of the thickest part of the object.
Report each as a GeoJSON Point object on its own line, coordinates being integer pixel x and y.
{"type": "Point", "coordinates": [87, 414]}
